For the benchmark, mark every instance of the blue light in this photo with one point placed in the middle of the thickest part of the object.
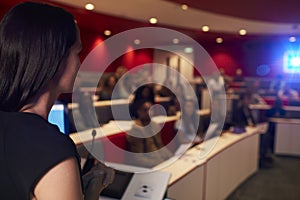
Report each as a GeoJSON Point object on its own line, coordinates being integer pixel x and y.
{"type": "Point", "coordinates": [292, 39]}
{"type": "Point", "coordinates": [262, 70]}
{"type": "Point", "coordinates": [295, 62]}
{"type": "Point", "coordinates": [291, 62]}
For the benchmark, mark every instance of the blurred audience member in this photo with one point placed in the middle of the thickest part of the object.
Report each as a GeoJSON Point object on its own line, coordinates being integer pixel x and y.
{"type": "Point", "coordinates": [144, 92]}
{"type": "Point", "coordinates": [216, 85]}
{"type": "Point", "coordinates": [167, 88]}
{"type": "Point", "coordinates": [218, 113]}
{"type": "Point", "coordinates": [242, 116]}
{"type": "Point", "coordinates": [106, 90]}
{"type": "Point", "coordinates": [253, 92]}
{"type": "Point", "coordinates": [276, 84]}
{"type": "Point", "coordinates": [286, 92]}
{"type": "Point", "coordinates": [144, 75]}
{"type": "Point", "coordinates": [84, 117]}
{"type": "Point", "coordinates": [188, 127]}
{"type": "Point", "coordinates": [276, 110]}
{"type": "Point", "coordinates": [267, 139]}
{"type": "Point", "coordinates": [238, 76]}
{"type": "Point", "coordinates": [144, 138]}
{"type": "Point", "coordinates": [226, 79]}
{"type": "Point", "coordinates": [255, 98]}
{"type": "Point", "coordinates": [176, 99]}
{"type": "Point", "coordinates": [120, 71]}
{"type": "Point", "coordinates": [125, 86]}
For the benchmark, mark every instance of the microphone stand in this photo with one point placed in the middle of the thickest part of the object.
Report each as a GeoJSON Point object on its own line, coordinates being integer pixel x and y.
{"type": "Point", "coordinates": [93, 183]}
{"type": "Point", "coordinates": [90, 161]}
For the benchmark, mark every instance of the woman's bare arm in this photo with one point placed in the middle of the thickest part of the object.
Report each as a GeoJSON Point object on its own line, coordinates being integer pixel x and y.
{"type": "Point", "coordinates": [60, 182]}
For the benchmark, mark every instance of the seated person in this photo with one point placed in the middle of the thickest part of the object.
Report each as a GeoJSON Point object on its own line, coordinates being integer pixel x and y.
{"type": "Point", "coordinates": [144, 92]}
{"type": "Point", "coordinates": [120, 71]}
{"type": "Point", "coordinates": [176, 99]}
{"type": "Point", "coordinates": [255, 98]}
{"type": "Point", "coordinates": [253, 92]}
{"type": "Point", "coordinates": [144, 138]}
{"type": "Point", "coordinates": [238, 78]}
{"type": "Point", "coordinates": [218, 117]}
{"type": "Point", "coordinates": [166, 89]}
{"type": "Point", "coordinates": [85, 116]}
{"type": "Point", "coordinates": [125, 86]}
{"type": "Point", "coordinates": [267, 139]}
{"type": "Point", "coordinates": [287, 92]}
{"type": "Point", "coordinates": [225, 78]}
{"type": "Point", "coordinates": [242, 116]}
{"type": "Point", "coordinates": [216, 85]}
{"type": "Point", "coordinates": [277, 109]}
{"type": "Point", "coordinates": [105, 92]}
{"type": "Point", "coordinates": [188, 126]}
{"type": "Point", "coordinates": [276, 84]}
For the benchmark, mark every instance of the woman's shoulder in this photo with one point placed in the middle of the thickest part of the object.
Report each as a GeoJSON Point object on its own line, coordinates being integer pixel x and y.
{"type": "Point", "coordinates": [35, 144]}
{"type": "Point", "coordinates": [32, 128]}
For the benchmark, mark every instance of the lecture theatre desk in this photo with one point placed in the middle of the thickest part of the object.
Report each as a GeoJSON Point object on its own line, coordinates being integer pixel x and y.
{"type": "Point", "coordinates": [287, 136]}
{"type": "Point", "coordinates": [210, 170]}
{"type": "Point", "coordinates": [291, 111]}
{"type": "Point", "coordinates": [117, 109]}
{"type": "Point", "coordinates": [110, 139]}
{"type": "Point", "coordinates": [213, 169]}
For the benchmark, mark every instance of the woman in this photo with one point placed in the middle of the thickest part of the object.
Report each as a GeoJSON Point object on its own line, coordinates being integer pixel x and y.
{"type": "Point", "coordinates": [39, 56]}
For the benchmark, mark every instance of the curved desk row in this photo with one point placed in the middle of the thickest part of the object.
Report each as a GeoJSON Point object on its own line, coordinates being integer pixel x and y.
{"type": "Point", "coordinates": [104, 109]}
{"type": "Point", "coordinates": [110, 139]}
{"type": "Point", "coordinates": [267, 107]}
{"type": "Point", "coordinates": [213, 169]}
{"type": "Point", "coordinates": [118, 126]}
{"type": "Point", "coordinates": [260, 109]}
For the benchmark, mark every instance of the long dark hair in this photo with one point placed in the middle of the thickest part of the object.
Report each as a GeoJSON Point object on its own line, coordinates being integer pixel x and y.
{"type": "Point", "coordinates": [34, 39]}
{"type": "Point", "coordinates": [138, 94]}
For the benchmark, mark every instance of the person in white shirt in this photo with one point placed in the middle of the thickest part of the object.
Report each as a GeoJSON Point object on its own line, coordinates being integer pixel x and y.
{"type": "Point", "coordinates": [215, 84]}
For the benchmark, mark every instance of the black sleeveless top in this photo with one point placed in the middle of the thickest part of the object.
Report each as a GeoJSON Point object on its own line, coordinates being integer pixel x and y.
{"type": "Point", "coordinates": [29, 147]}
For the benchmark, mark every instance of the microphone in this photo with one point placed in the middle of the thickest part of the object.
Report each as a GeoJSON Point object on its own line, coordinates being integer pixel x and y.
{"type": "Point", "coordinates": [94, 133]}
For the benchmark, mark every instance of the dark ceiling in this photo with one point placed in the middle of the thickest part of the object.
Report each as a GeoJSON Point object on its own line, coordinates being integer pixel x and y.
{"type": "Point", "coordinates": [287, 11]}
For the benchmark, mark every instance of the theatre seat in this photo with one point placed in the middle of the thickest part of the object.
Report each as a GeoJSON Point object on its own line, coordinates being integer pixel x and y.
{"type": "Point", "coordinates": [114, 147]}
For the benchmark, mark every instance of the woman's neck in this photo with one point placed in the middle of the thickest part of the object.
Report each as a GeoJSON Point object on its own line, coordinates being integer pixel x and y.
{"type": "Point", "coordinates": [41, 104]}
